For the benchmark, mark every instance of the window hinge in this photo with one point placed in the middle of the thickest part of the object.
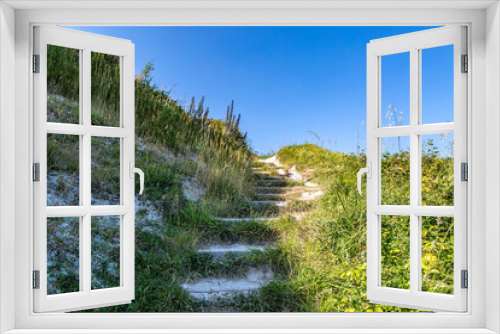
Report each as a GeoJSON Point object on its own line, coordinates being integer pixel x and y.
{"type": "Point", "coordinates": [36, 279]}
{"type": "Point", "coordinates": [465, 64]}
{"type": "Point", "coordinates": [36, 63]}
{"type": "Point", "coordinates": [464, 171]}
{"type": "Point", "coordinates": [465, 279]}
{"type": "Point", "coordinates": [36, 172]}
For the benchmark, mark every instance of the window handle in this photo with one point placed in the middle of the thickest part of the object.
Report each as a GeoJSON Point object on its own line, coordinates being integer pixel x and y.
{"type": "Point", "coordinates": [368, 171]}
{"type": "Point", "coordinates": [133, 171]}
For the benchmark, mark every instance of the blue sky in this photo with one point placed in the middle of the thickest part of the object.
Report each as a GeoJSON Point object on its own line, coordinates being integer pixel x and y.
{"type": "Point", "coordinates": [289, 82]}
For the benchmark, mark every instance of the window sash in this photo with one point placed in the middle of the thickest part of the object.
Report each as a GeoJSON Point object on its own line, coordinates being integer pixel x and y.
{"type": "Point", "coordinates": [86, 297]}
{"type": "Point", "coordinates": [413, 43]}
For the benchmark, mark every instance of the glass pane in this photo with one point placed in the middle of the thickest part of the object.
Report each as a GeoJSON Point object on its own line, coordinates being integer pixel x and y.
{"type": "Point", "coordinates": [437, 85]}
{"type": "Point", "coordinates": [105, 171]}
{"type": "Point", "coordinates": [105, 252]}
{"type": "Point", "coordinates": [105, 89]}
{"type": "Point", "coordinates": [395, 243]}
{"type": "Point", "coordinates": [63, 84]}
{"type": "Point", "coordinates": [395, 90]}
{"type": "Point", "coordinates": [437, 170]}
{"type": "Point", "coordinates": [63, 255]}
{"type": "Point", "coordinates": [395, 170]}
{"type": "Point", "coordinates": [63, 178]}
{"type": "Point", "coordinates": [437, 254]}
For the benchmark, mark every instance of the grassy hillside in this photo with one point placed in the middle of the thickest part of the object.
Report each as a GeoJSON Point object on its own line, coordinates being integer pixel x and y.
{"type": "Point", "coordinates": [218, 151]}
{"type": "Point", "coordinates": [198, 168]}
{"type": "Point", "coordinates": [178, 149]}
{"type": "Point", "coordinates": [329, 244]}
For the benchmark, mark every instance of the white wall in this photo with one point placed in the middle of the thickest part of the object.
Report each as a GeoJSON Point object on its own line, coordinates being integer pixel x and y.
{"type": "Point", "coordinates": [7, 164]}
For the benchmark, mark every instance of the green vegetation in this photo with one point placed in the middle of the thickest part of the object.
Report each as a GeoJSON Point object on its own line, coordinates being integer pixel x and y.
{"type": "Point", "coordinates": [329, 243]}
{"type": "Point", "coordinates": [319, 264]}
{"type": "Point", "coordinates": [175, 146]}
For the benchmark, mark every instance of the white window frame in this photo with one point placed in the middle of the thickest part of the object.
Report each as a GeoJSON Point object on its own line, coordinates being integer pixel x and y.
{"type": "Point", "coordinates": [87, 43]}
{"type": "Point", "coordinates": [484, 81]}
{"type": "Point", "coordinates": [414, 43]}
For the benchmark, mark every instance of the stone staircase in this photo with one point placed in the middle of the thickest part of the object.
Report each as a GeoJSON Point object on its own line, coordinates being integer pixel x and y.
{"type": "Point", "coordinates": [218, 292]}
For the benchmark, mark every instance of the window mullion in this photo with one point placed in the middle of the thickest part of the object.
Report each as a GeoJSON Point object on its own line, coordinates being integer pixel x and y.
{"type": "Point", "coordinates": [414, 172]}
{"type": "Point", "coordinates": [86, 170]}
{"type": "Point", "coordinates": [377, 252]}
{"type": "Point", "coordinates": [80, 170]}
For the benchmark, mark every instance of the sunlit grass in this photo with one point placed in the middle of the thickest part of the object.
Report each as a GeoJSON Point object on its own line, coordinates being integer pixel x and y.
{"type": "Point", "coordinates": [320, 260]}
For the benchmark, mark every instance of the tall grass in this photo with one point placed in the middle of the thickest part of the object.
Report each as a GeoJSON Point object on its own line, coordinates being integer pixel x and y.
{"type": "Point", "coordinates": [218, 147]}
{"type": "Point", "coordinates": [174, 145]}
{"type": "Point", "coordinates": [320, 260]}
{"type": "Point", "coordinates": [329, 243]}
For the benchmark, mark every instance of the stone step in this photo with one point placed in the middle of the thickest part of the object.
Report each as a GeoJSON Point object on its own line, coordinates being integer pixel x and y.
{"type": "Point", "coordinates": [273, 166]}
{"type": "Point", "coordinates": [271, 190]}
{"type": "Point", "coordinates": [219, 252]}
{"type": "Point", "coordinates": [267, 168]}
{"type": "Point", "coordinates": [283, 173]}
{"type": "Point", "coordinates": [271, 161]}
{"type": "Point", "coordinates": [275, 183]}
{"type": "Point", "coordinates": [217, 288]}
{"type": "Point", "coordinates": [244, 220]}
{"type": "Point", "coordinates": [311, 194]}
{"type": "Point", "coordinates": [272, 171]}
{"type": "Point", "coordinates": [269, 177]}
{"type": "Point", "coordinates": [268, 203]}
{"type": "Point", "coordinates": [269, 197]}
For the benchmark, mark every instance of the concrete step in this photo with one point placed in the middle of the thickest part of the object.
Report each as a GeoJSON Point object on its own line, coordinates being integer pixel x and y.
{"type": "Point", "coordinates": [218, 288]}
{"type": "Point", "coordinates": [271, 190]}
{"type": "Point", "coordinates": [269, 197]}
{"type": "Point", "coordinates": [219, 252]}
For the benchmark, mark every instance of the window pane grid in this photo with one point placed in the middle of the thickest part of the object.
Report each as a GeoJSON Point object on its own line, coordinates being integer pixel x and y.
{"type": "Point", "coordinates": [439, 291]}
{"type": "Point", "coordinates": [86, 212]}
{"type": "Point", "coordinates": [419, 280]}
{"type": "Point", "coordinates": [63, 109]}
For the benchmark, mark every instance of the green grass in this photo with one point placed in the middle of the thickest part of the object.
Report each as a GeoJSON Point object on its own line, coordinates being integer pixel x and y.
{"type": "Point", "coordinates": [320, 260]}
{"type": "Point", "coordinates": [177, 145]}
{"type": "Point", "coordinates": [329, 243]}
